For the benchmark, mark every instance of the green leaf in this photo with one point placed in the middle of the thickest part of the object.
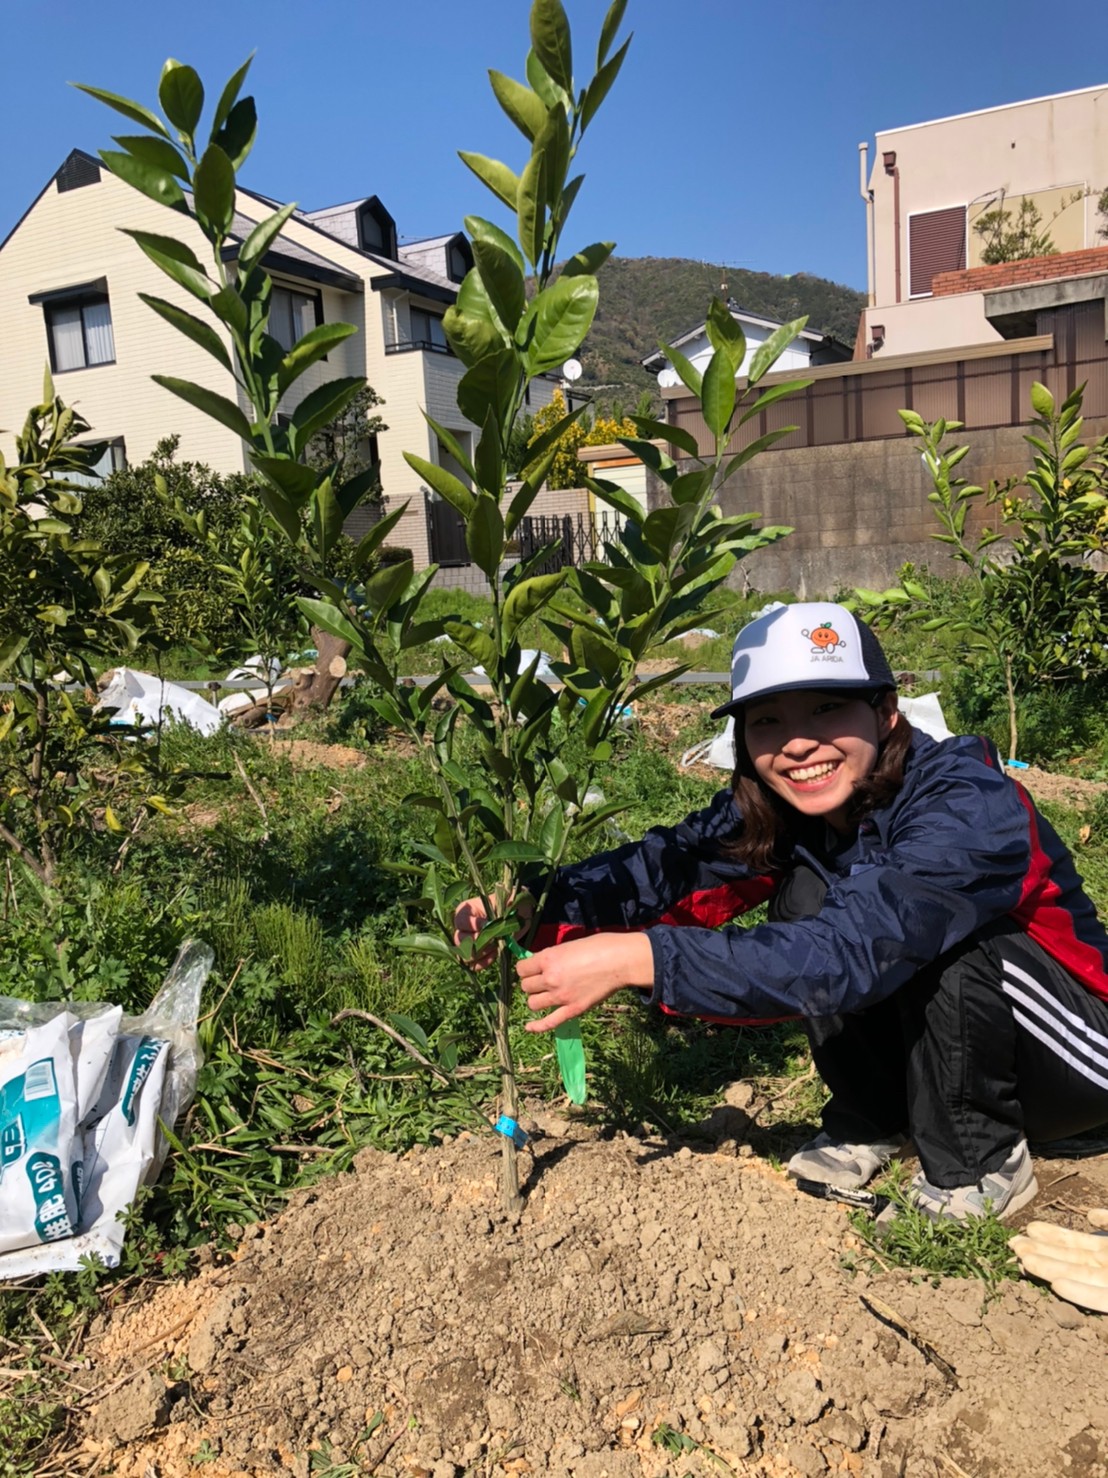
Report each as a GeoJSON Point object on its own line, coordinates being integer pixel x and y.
{"type": "Point", "coordinates": [476, 643]}
{"type": "Point", "coordinates": [383, 589]}
{"type": "Point", "coordinates": [478, 229]}
{"type": "Point", "coordinates": [452, 445]}
{"type": "Point", "coordinates": [329, 618]}
{"type": "Point", "coordinates": [612, 22]}
{"type": "Point", "coordinates": [148, 179]}
{"type": "Point", "coordinates": [443, 482]}
{"type": "Point", "coordinates": [374, 537]}
{"type": "Point", "coordinates": [615, 497]}
{"type": "Point", "coordinates": [503, 183]}
{"type": "Point", "coordinates": [485, 535]}
{"type": "Point", "coordinates": [236, 137]}
{"type": "Point", "coordinates": [264, 234]}
{"type": "Point", "coordinates": [410, 1029]}
{"type": "Point", "coordinates": [563, 315]}
{"type": "Point", "coordinates": [550, 437]}
{"type": "Point", "coordinates": [320, 407]}
{"type": "Point", "coordinates": [774, 393]}
{"type": "Point", "coordinates": [181, 94]}
{"type": "Point", "coordinates": [530, 208]}
{"type": "Point", "coordinates": [550, 40]}
{"type": "Point", "coordinates": [214, 189]}
{"type": "Point", "coordinates": [176, 260]}
{"type": "Point", "coordinates": [524, 107]}
{"type": "Point", "coordinates": [488, 461]}
{"type": "Point", "coordinates": [155, 151]}
{"type": "Point", "coordinates": [528, 598]}
{"type": "Point", "coordinates": [315, 345]}
{"type": "Point", "coordinates": [589, 260]}
{"type": "Point", "coordinates": [471, 338]}
{"type": "Point", "coordinates": [766, 355]}
{"type": "Point", "coordinates": [217, 406]}
{"type": "Point", "coordinates": [424, 944]}
{"type": "Point", "coordinates": [601, 85]}
{"type": "Point", "coordinates": [1042, 402]}
{"type": "Point", "coordinates": [515, 852]}
{"type": "Point", "coordinates": [551, 94]}
{"type": "Point", "coordinates": [718, 393]}
{"type": "Point", "coordinates": [502, 278]}
{"type": "Point", "coordinates": [229, 96]}
{"type": "Point", "coordinates": [661, 431]}
{"type": "Point", "coordinates": [491, 382]}
{"type": "Point", "coordinates": [294, 479]}
{"type": "Point", "coordinates": [725, 334]}
{"type": "Point", "coordinates": [134, 111]}
{"type": "Point", "coordinates": [687, 373]}
{"type": "Point", "coordinates": [192, 327]}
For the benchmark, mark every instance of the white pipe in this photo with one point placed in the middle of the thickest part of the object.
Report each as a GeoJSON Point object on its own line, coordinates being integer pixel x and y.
{"type": "Point", "coordinates": [867, 195]}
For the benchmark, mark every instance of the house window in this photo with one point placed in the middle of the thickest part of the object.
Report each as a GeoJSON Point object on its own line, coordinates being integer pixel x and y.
{"type": "Point", "coordinates": [936, 243]}
{"type": "Point", "coordinates": [457, 262]}
{"type": "Point", "coordinates": [114, 459]}
{"type": "Point", "coordinates": [79, 329]}
{"type": "Point", "coordinates": [427, 330]}
{"type": "Point", "coordinates": [292, 314]}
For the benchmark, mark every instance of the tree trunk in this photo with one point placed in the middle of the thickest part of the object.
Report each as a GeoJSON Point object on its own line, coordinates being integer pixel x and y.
{"type": "Point", "coordinates": [509, 1098]}
{"type": "Point", "coordinates": [317, 688]}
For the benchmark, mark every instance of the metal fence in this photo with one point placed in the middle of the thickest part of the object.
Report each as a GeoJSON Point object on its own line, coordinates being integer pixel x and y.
{"type": "Point", "coordinates": [573, 540]}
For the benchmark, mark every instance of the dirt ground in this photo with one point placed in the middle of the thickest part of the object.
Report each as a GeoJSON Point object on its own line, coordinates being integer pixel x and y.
{"type": "Point", "coordinates": [649, 1283]}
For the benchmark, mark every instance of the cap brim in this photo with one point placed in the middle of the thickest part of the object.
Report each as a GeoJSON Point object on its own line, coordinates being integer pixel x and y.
{"type": "Point", "coordinates": [736, 704]}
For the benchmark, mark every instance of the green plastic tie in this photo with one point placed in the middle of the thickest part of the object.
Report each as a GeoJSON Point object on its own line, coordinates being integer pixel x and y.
{"type": "Point", "coordinates": [567, 1043]}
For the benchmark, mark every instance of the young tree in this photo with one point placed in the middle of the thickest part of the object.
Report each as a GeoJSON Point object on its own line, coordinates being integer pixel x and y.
{"type": "Point", "coordinates": [1013, 240]}
{"type": "Point", "coordinates": [65, 603]}
{"type": "Point", "coordinates": [500, 829]}
{"type": "Point", "coordinates": [1039, 611]}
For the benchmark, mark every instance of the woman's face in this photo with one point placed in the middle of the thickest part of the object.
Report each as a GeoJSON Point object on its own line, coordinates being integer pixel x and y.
{"type": "Point", "coordinates": [813, 747]}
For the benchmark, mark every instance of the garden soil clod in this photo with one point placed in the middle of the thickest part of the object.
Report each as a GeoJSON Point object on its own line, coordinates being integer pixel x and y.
{"type": "Point", "coordinates": [650, 1289]}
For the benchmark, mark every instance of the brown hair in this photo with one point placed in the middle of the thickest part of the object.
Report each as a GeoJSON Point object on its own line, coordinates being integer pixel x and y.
{"type": "Point", "coordinates": [771, 826]}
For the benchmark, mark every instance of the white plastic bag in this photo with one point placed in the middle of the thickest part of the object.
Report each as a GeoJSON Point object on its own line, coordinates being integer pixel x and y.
{"type": "Point", "coordinates": [139, 699]}
{"type": "Point", "coordinates": [83, 1092]}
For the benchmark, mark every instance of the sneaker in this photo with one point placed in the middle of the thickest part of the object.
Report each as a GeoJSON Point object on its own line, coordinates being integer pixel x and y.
{"type": "Point", "coordinates": [1004, 1191]}
{"type": "Point", "coordinates": [847, 1167]}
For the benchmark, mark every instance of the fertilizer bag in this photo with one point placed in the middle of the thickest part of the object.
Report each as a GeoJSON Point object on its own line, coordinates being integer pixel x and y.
{"type": "Point", "coordinates": [84, 1092]}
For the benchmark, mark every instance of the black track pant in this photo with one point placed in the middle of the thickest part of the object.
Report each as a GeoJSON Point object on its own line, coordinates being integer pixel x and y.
{"type": "Point", "coordinates": [993, 1041]}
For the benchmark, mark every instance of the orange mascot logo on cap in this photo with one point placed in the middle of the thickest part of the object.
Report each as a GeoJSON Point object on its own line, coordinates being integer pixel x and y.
{"type": "Point", "coordinates": [824, 638]}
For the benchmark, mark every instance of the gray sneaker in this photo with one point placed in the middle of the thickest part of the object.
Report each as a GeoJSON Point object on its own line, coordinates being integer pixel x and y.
{"type": "Point", "coordinates": [1004, 1191]}
{"type": "Point", "coordinates": [847, 1167]}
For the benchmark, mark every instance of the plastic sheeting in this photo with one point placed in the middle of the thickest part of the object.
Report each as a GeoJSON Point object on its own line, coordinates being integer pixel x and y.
{"type": "Point", "coordinates": [141, 700]}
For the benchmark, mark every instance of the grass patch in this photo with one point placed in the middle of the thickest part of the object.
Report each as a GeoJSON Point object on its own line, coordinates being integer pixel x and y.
{"type": "Point", "coordinates": [975, 1248]}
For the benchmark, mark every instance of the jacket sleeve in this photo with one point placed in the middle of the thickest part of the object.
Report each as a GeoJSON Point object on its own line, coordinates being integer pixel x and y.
{"type": "Point", "coordinates": [951, 860]}
{"type": "Point", "coordinates": [676, 873]}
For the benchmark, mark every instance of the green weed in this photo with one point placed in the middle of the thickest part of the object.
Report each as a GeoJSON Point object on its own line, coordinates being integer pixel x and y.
{"type": "Point", "coordinates": [974, 1248]}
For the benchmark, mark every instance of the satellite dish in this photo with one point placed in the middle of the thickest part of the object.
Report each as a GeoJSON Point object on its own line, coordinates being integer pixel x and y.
{"type": "Point", "coordinates": [667, 378]}
{"type": "Point", "coordinates": [571, 370]}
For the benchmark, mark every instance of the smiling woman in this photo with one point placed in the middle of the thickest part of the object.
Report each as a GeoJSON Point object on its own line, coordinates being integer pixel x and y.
{"type": "Point", "coordinates": [924, 921]}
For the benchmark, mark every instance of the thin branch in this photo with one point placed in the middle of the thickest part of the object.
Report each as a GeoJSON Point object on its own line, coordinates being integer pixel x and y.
{"type": "Point", "coordinates": [413, 1052]}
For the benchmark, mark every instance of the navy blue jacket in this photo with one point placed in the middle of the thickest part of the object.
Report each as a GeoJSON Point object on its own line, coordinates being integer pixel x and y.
{"type": "Point", "coordinates": [960, 846]}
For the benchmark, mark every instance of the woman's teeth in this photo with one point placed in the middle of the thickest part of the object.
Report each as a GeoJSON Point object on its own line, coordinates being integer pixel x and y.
{"type": "Point", "coordinates": [813, 772]}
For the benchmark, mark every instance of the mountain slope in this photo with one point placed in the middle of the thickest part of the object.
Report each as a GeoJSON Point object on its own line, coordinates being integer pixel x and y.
{"type": "Point", "coordinates": [644, 299]}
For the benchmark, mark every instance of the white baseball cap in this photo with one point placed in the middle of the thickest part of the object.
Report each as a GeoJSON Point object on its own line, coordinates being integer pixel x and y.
{"type": "Point", "coordinates": [813, 644]}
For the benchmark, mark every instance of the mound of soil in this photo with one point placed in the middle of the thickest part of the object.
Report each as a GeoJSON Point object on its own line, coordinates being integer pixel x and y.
{"type": "Point", "coordinates": [649, 1289]}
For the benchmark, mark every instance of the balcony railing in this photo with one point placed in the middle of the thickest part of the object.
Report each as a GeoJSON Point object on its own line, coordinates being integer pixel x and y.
{"type": "Point", "coordinates": [412, 346]}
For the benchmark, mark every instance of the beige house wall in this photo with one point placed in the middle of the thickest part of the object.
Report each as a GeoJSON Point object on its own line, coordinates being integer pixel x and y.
{"type": "Point", "coordinates": [74, 237]}
{"type": "Point", "coordinates": [1047, 148]}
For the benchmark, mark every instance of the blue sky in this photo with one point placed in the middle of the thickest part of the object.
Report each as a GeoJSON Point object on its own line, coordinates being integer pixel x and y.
{"type": "Point", "coordinates": [731, 136]}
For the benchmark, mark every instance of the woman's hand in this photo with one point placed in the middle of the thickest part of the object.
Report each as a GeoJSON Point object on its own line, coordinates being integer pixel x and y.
{"type": "Point", "coordinates": [570, 978]}
{"type": "Point", "coordinates": [471, 917]}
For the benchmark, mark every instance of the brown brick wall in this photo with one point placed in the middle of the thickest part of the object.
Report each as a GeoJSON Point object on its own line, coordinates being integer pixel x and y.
{"type": "Point", "coordinates": [1016, 274]}
{"type": "Point", "coordinates": [860, 510]}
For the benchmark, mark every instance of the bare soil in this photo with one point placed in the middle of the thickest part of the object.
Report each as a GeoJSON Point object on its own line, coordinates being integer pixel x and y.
{"type": "Point", "coordinates": [648, 1284]}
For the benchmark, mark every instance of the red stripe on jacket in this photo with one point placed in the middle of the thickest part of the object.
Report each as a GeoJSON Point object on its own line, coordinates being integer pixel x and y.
{"type": "Point", "coordinates": [1044, 920]}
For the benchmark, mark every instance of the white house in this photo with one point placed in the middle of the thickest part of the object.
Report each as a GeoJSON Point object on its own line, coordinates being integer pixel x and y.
{"type": "Point", "coordinates": [810, 347]}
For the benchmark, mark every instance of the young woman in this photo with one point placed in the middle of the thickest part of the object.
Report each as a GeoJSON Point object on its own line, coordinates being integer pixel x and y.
{"type": "Point", "coordinates": [925, 922]}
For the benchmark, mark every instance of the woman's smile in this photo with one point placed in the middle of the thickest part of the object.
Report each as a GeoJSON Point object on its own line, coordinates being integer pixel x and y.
{"type": "Point", "coordinates": [814, 747]}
